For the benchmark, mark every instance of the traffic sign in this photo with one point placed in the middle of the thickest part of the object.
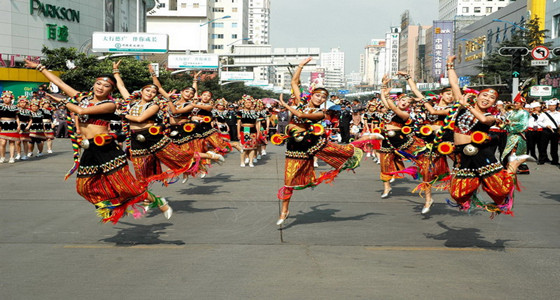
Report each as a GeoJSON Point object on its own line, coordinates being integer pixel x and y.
{"type": "Point", "coordinates": [538, 63]}
{"type": "Point", "coordinates": [556, 51]}
{"type": "Point", "coordinates": [540, 53]}
{"type": "Point", "coordinates": [540, 91]}
{"type": "Point", "coordinates": [515, 74]}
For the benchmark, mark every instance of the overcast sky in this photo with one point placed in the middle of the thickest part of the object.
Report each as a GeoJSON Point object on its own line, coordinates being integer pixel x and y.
{"type": "Point", "coordinates": [348, 24]}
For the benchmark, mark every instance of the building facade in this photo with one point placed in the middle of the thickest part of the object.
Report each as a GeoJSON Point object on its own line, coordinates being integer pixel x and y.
{"type": "Point", "coordinates": [28, 25]}
{"type": "Point", "coordinates": [333, 63]}
{"type": "Point", "coordinates": [374, 62]}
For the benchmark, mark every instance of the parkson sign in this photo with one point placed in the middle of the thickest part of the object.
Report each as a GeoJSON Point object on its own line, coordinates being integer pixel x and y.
{"type": "Point", "coordinates": [53, 11]}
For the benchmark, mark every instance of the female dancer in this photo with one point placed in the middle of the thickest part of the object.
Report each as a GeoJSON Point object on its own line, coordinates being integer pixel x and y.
{"type": "Point", "coordinates": [306, 139]}
{"type": "Point", "coordinates": [202, 113]}
{"type": "Point", "coordinates": [371, 121]}
{"type": "Point", "coordinates": [183, 131]}
{"type": "Point", "coordinates": [398, 140]}
{"type": "Point", "coordinates": [248, 121]}
{"type": "Point", "coordinates": [9, 126]}
{"type": "Point", "coordinates": [433, 164]}
{"type": "Point", "coordinates": [476, 163]}
{"type": "Point", "coordinates": [103, 177]}
{"type": "Point", "coordinates": [220, 115]}
{"type": "Point", "coordinates": [37, 129]}
{"type": "Point", "coordinates": [149, 146]}
{"type": "Point", "coordinates": [48, 124]}
{"type": "Point", "coordinates": [24, 116]}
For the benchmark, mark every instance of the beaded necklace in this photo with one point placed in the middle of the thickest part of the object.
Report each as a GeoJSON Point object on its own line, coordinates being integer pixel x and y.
{"type": "Point", "coordinates": [466, 122]}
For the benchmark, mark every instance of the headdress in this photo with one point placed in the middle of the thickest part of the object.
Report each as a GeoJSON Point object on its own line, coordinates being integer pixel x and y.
{"type": "Point", "coordinates": [7, 93]}
{"type": "Point", "coordinates": [490, 91]}
{"type": "Point", "coordinates": [150, 86]}
{"type": "Point", "coordinates": [320, 90]}
{"type": "Point", "coordinates": [22, 98]}
{"type": "Point", "coordinates": [107, 79]}
{"type": "Point", "coordinates": [248, 97]}
{"type": "Point", "coordinates": [221, 101]}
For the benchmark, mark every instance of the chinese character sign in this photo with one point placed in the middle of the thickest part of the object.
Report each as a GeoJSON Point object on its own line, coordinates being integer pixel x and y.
{"type": "Point", "coordinates": [129, 42]}
{"type": "Point", "coordinates": [442, 46]}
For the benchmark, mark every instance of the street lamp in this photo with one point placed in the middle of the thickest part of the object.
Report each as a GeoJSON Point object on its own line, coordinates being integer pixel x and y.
{"type": "Point", "coordinates": [204, 24]}
{"type": "Point", "coordinates": [511, 23]}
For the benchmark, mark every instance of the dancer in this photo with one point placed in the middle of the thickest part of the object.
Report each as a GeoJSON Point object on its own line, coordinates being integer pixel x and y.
{"type": "Point", "coordinates": [248, 121]}
{"type": "Point", "coordinates": [184, 132]}
{"type": "Point", "coordinates": [220, 115]}
{"type": "Point", "coordinates": [24, 117]}
{"type": "Point", "coordinates": [433, 163]}
{"type": "Point", "coordinates": [37, 129]}
{"type": "Point", "coordinates": [398, 140]}
{"type": "Point", "coordinates": [371, 121]}
{"type": "Point", "coordinates": [103, 177]}
{"type": "Point", "coordinates": [48, 124]}
{"type": "Point", "coordinates": [306, 138]}
{"type": "Point", "coordinates": [516, 122]}
{"type": "Point", "coordinates": [149, 146]}
{"type": "Point", "coordinates": [9, 126]}
{"type": "Point", "coordinates": [476, 163]}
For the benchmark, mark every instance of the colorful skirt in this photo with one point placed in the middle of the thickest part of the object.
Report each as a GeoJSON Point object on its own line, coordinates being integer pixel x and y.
{"type": "Point", "coordinates": [103, 179]}
{"type": "Point", "coordinates": [249, 138]}
{"type": "Point", "coordinates": [299, 172]}
{"type": "Point", "coordinates": [394, 148]}
{"type": "Point", "coordinates": [477, 166]}
{"type": "Point", "coordinates": [9, 130]}
{"type": "Point", "coordinates": [24, 133]}
{"type": "Point", "coordinates": [148, 151]}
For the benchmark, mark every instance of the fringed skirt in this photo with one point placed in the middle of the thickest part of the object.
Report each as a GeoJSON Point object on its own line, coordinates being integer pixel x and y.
{"type": "Point", "coordinates": [477, 166]}
{"type": "Point", "coordinates": [104, 180]}
{"type": "Point", "coordinates": [394, 148]}
{"type": "Point", "coordinates": [9, 130]}
{"type": "Point", "coordinates": [299, 172]}
{"type": "Point", "coordinates": [249, 138]}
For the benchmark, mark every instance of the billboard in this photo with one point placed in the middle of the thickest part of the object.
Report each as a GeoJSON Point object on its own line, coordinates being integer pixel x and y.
{"type": "Point", "coordinates": [236, 76]}
{"type": "Point", "coordinates": [318, 79]}
{"type": "Point", "coordinates": [138, 42]}
{"type": "Point", "coordinates": [442, 46]}
{"type": "Point", "coordinates": [193, 61]}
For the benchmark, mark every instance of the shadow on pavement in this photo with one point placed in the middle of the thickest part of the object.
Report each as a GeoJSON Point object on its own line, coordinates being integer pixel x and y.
{"type": "Point", "coordinates": [141, 235]}
{"type": "Point", "coordinates": [548, 195]}
{"type": "Point", "coordinates": [317, 215]}
{"type": "Point", "coordinates": [187, 205]}
{"type": "Point", "coordinates": [465, 237]}
{"type": "Point", "coordinates": [202, 190]}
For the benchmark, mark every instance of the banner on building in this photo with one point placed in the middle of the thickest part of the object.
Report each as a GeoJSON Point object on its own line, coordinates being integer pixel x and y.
{"type": "Point", "coordinates": [193, 61]}
{"type": "Point", "coordinates": [442, 46]}
{"type": "Point", "coordinates": [137, 42]}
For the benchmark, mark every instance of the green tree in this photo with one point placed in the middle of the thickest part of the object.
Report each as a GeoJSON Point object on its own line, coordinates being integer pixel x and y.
{"type": "Point", "coordinates": [135, 74]}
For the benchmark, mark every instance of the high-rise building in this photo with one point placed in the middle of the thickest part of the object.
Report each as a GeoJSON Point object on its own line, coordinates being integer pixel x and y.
{"type": "Point", "coordinates": [211, 26]}
{"type": "Point", "coordinates": [374, 62]}
{"type": "Point", "coordinates": [392, 50]}
{"type": "Point", "coordinates": [333, 63]}
{"type": "Point", "coordinates": [259, 21]}
{"type": "Point", "coordinates": [449, 9]}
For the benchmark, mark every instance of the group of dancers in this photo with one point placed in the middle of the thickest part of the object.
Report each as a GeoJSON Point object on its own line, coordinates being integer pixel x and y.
{"type": "Point", "coordinates": [167, 136]}
{"type": "Point", "coordinates": [23, 126]}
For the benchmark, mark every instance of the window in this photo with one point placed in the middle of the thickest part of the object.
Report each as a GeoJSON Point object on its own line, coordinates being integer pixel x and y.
{"type": "Point", "coordinates": [477, 9]}
{"type": "Point", "coordinates": [183, 5]}
{"type": "Point", "coordinates": [465, 10]}
{"type": "Point", "coordinates": [172, 4]}
{"type": "Point", "coordinates": [217, 25]}
{"type": "Point", "coordinates": [234, 9]}
{"type": "Point", "coordinates": [218, 9]}
{"type": "Point", "coordinates": [217, 36]}
{"type": "Point", "coordinates": [233, 25]}
{"type": "Point", "coordinates": [196, 5]}
{"type": "Point", "coordinates": [215, 47]}
{"type": "Point", "coordinates": [234, 36]}
{"type": "Point", "coordinates": [489, 10]}
{"type": "Point", "coordinates": [555, 26]}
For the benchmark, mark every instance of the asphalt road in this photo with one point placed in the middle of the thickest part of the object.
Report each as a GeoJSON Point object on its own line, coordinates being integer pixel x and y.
{"type": "Point", "coordinates": [341, 241]}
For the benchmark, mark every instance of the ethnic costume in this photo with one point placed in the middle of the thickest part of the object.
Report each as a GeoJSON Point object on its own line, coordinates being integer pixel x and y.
{"type": "Point", "coordinates": [8, 128]}
{"type": "Point", "coordinates": [397, 143]}
{"type": "Point", "coordinates": [220, 117]}
{"type": "Point", "coordinates": [301, 147]}
{"type": "Point", "coordinates": [248, 136]}
{"type": "Point", "coordinates": [24, 116]}
{"type": "Point", "coordinates": [211, 139]}
{"type": "Point", "coordinates": [150, 147]}
{"type": "Point", "coordinates": [37, 129]}
{"type": "Point", "coordinates": [47, 123]}
{"type": "Point", "coordinates": [518, 122]}
{"type": "Point", "coordinates": [476, 164]}
{"type": "Point", "coordinates": [103, 176]}
{"type": "Point", "coordinates": [372, 122]}
{"type": "Point", "coordinates": [432, 164]}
